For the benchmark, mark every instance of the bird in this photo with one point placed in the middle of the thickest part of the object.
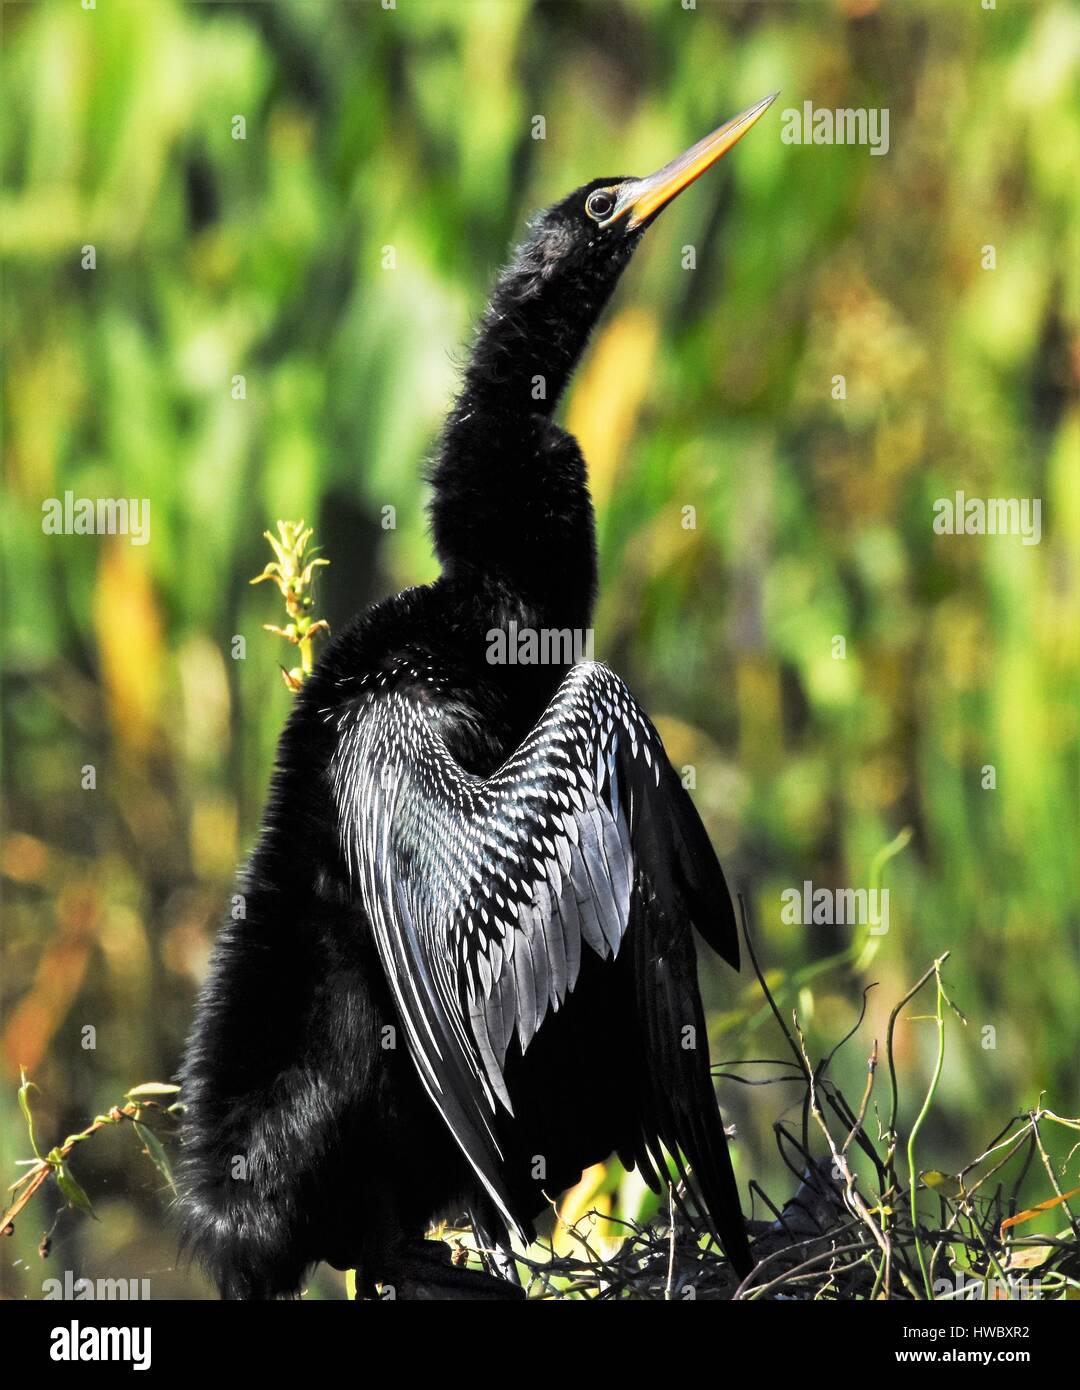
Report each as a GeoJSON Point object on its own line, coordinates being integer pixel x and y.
{"type": "Point", "coordinates": [460, 967]}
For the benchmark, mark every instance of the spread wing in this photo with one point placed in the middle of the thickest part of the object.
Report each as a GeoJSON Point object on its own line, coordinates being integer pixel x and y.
{"type": "Point", "coordinates": [484, 893]}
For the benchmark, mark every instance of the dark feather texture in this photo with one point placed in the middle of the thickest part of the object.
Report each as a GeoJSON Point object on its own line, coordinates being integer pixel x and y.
{"type": "Point", "coordinates": [462, 967]}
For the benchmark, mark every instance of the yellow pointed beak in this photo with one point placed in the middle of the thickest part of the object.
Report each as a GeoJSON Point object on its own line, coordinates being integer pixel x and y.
{"type": "Point", "coordinates": [641, 198]}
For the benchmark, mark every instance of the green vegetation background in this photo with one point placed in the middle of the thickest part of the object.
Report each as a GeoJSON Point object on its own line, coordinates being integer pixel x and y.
{"type": "Point", "coordinates": [709, 388]}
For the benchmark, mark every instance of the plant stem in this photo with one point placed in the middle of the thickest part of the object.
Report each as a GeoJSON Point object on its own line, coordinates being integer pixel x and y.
{"type": "Point", "coordinates": [913, 1176]}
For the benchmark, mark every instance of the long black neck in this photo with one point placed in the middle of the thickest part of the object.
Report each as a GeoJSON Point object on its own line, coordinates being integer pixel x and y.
{"type": "Point", "coordinates": [534, 332]}
{"type": "Point", "coordinates": [511, 514]}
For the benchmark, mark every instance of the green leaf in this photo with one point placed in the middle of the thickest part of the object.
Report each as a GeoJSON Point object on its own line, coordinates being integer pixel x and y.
{"type": "Point", "coordinates": [156, 1151]}
{"type": "Point", "coordinates": [152, 1088]}
{"type": "Point", "coordinates": [72, 1191]}
{"type": "Point", "coordinates": [24, 1106]}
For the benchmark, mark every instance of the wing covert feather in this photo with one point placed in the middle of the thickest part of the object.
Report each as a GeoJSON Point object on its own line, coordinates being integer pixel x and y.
{"type": "Point", "coordinates": [483, 893]}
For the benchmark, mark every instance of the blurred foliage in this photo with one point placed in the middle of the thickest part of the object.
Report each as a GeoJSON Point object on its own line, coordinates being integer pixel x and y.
{"type": "Point", "coordinates": [273, 328]}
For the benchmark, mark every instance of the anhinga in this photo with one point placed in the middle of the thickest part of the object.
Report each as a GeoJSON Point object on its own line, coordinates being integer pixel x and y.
{"type": "Point", "coordinates": [465, 969]}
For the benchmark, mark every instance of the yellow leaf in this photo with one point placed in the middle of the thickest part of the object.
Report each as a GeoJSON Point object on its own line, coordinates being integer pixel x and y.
{"type": "Point", "coordinates": [1032, 1212]}
{"type": "Point", "coordinates": [1030, 1256]}
{"type": "Point", "coordinates": [576, 1203]}
{"type": "Point", "coordinates": [128, 628]}
{"type": "Point", "coordinates": [610, 390]}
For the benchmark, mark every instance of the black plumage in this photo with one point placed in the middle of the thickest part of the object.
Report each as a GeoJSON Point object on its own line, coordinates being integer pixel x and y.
{"type": "Point", "coordinates": [464, 967]}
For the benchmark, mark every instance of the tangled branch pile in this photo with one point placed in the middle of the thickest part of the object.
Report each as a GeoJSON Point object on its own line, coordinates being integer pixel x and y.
{"type": "Point", "coordinates": [857, 1227]}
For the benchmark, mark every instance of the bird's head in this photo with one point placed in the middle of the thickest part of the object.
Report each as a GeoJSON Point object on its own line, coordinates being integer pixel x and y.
{"type": "Point", "coordinates": [542, 310]}
{"type": "Point", "coordinates": [546, 301]}
{"type": "Point", "coordinates": [593, 232]}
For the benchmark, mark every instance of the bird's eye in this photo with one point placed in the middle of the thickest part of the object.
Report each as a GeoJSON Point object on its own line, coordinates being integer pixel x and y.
{"type": "Point", "coordinates": [600, 204]}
